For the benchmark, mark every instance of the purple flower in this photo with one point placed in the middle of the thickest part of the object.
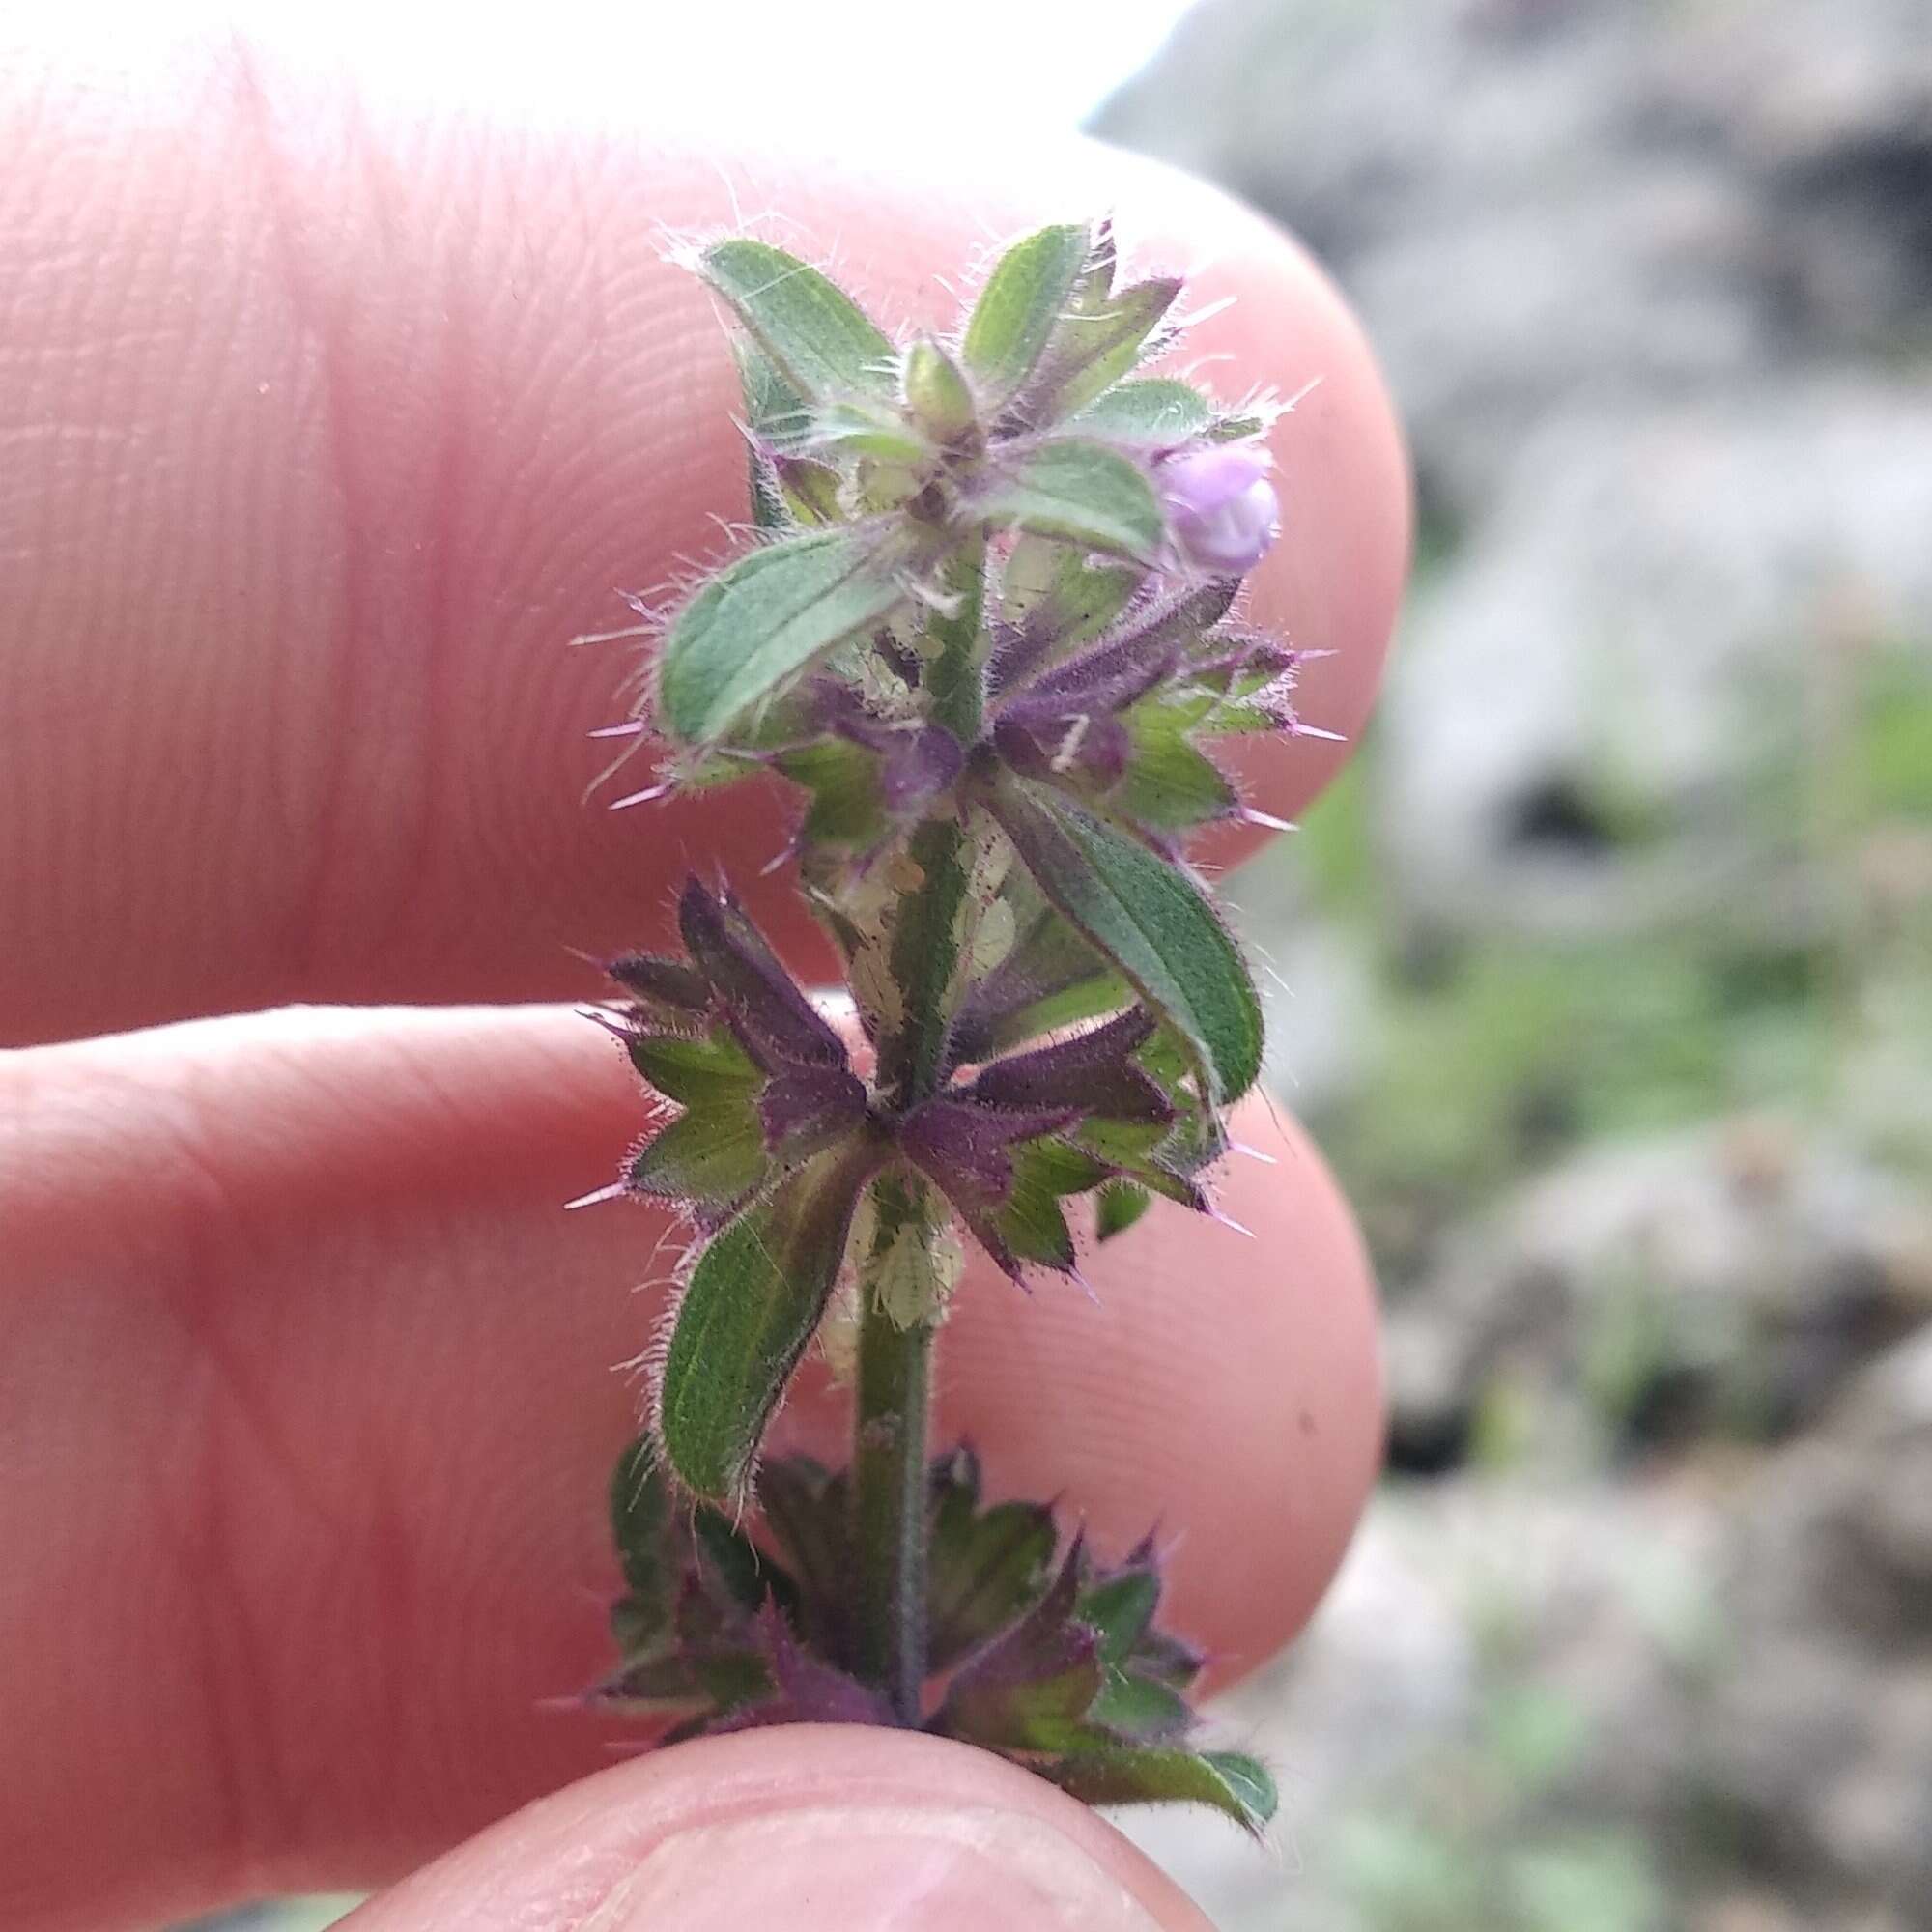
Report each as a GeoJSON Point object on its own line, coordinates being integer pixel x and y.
{"type": "Point", "coordinates": [1221, 506]}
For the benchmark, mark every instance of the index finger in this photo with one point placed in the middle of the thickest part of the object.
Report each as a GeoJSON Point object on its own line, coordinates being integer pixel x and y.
{"type": "Point", "coordinates": [331, 424]}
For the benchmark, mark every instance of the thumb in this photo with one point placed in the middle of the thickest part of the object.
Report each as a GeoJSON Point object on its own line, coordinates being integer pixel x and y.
{"type": "Point", "coordinates": [807, 1827]}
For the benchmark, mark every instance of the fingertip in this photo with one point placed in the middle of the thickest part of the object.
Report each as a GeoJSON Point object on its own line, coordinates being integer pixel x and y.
{"type": "Point", "coordinates": [842, 1828]}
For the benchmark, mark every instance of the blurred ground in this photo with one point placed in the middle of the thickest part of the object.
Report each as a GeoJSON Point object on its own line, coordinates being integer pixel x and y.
{"type": "Point", "coordinates": [1609, 966]}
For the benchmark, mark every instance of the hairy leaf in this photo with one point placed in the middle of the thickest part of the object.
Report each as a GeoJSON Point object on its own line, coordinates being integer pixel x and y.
{"type": "Point", "coordinates": [1126, 1774]}
{"type": "Point", "coordinates": [641, 1526]}
{"type": "Point", "coordinates": [1051, 977]}
{"type": "Point", "coordinates": [695, 1072]}
{"type": "Point", "coordinates": [753, 1303]}
{"type": "Point", "coordinates": [758, 623]}
{"type": "Point", "coordinates": [1152, 921]}
{"type": "Point", "coordinates": [986, 1568]}
{"type": "Point", "coordinates": [1096, 343]}
{"type": "Point", "coordinates": [936, 392]}
{"type": "Point", "coordinates": [1171, 784]}
{"type": "Point", "coordinates": [1156, 409]}
{"type": "Point", "coordinates": [821, 342]}
{"type": "Point", "coordinates": [711, 1158]}
{"type": "Point", "coordinates": [1119, 1205]}
{"type": "Point", "coordinates": [1078, 491]}
{"type": "Point", "coordinates": [1017, 310]}
{"type": "Point", "coordinates": [1051, 590]}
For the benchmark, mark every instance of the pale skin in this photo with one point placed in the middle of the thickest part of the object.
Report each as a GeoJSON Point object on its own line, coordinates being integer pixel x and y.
{"type": "Point", "coordinates": [324, 425]}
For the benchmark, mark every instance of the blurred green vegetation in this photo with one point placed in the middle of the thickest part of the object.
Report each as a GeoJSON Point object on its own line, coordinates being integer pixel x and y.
{"type": "Point", "coordinates": [1493, 1055]}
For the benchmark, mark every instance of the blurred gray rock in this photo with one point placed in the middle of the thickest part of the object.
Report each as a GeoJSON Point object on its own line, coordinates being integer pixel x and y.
{"type": "Point", "coordinates": [1541, 202]}
{"type": "Point", "coordinates": [1724, 1282]}
{"type": "Point", "coordinates": [1819, 1740]}
{"type": "Point", "coordinates": [1654, 287]}
{"type": "Point", "coordinates": [1617, 706]}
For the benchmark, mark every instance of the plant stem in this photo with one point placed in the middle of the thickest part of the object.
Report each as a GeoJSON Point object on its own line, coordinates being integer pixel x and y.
{"type": "Point", "coordinates": [889, 1497]}
{"type": "Point", "coordinates": [889, 1445]}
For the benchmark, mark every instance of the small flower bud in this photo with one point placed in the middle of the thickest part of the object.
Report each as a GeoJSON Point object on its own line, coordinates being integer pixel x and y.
{"type": "Point", "coordinates": [1221, 506]}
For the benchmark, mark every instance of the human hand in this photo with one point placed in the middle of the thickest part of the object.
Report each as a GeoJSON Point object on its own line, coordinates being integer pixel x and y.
{"type": "Point", "coordinates": [328, 422]}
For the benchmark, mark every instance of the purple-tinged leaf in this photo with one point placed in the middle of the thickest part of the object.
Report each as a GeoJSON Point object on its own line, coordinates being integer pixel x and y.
{"type": "Point", "coordinates": [1095, 345]}
{"type": "Point", "coordinates": [919, 767]}
{"type": "Point", "coordinates": [806, 1512]}
{"type": "Point", "coordinates": [968, 1149]}
{"type": "Point", "coordinates": [804, 1689]}
{"type": "Point", "coordinates": [1092, 1072]}
{"type": "Point", "coordinates": [1154, 923]}
{"type": "Point", "coordinates": [1029, 1689]}
{"type": "Point", "coordinates": [764, 1001]}
{"type": "Point", "coordinates": [1060, 746]}
{"type": "Point", "coordinates": [1052, 978]}
{"type": "Point", "coordinates": [807, 1108]}
{"type": "Point", "coordinates": [666, 1682]}
{"type": "Point", "coordinates": [1144, 647]}
{"type": "Point", "coordinates": [669, 983]}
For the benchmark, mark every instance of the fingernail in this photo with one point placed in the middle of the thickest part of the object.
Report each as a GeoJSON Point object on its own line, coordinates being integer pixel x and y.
{"type": "Point", "coordinates": [835, 1868]}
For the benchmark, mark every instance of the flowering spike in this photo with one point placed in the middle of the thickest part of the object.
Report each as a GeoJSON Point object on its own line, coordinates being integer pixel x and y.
{"type": "Point", "coordinates": [989, 632]}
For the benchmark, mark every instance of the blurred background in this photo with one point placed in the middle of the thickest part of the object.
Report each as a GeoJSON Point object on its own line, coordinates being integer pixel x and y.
{"type": "Point", "coordinates": [1606, 969]}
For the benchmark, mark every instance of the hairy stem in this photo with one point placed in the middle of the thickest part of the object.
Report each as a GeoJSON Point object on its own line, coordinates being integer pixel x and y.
{"type": "Point", "coordinates": [894, 1360]}
{"type": "Point", "coordinates": [889, 1500]}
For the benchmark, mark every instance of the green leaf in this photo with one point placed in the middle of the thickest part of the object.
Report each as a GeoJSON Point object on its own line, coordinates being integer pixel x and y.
{"type": "Point", "coordinates": [710, 1156]}
{"type": "Point", "coordinates": [985, 1568]}
{"type": "Point", "coordinates": [867, 429]}
{"type": "Point", "coordinates": [753, 1301]}
{"type": "Point", "coordinates": [1052, 585]}
{"type": "Point", "coordinates": [744, 1574]}
{"type": "Point", "coordinates": [822, 343]}
{"type": "Point", "coordinates": [1031, 1223]}
{"type": "Point", "coordinates": [1150, 918]}
{"type": "Point", "coordinates": [1120, 1204]}
{"type": "Point", "coordinates": [936, 393]}
{"type": "Point", "coordinates": [1079, 491]}
{"type": "Point", "coordinates": [1050, 979]}
{"type": "Point", "coordinates": [697, 1073]}
{"type": "Point", "coordinates": [1156, 409]}
{"type": "Point", "coordinates": [1171, 784]}
{"type": "Point", "coordinates": [843, 781]}
{"type": "Point", "coordinates": [1094, 346]}
{"type": "Point", "coordinates": [1120, 1607]}
{"type": "Point", "coordinates": [809, 491]}
{"type": "Point", "coordinates": [641, 1529]}
{"type": "Point", "coordinates": [1139, 1708]}
{"type": "Point", "coordinates": [1018, 307]}
{"type": "Point", "coordinates": [760, 622]}
{"type": "Point", "coordinates": [649, 1684]}
{"type": "Point", "coordinates": [1235, 1785]}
